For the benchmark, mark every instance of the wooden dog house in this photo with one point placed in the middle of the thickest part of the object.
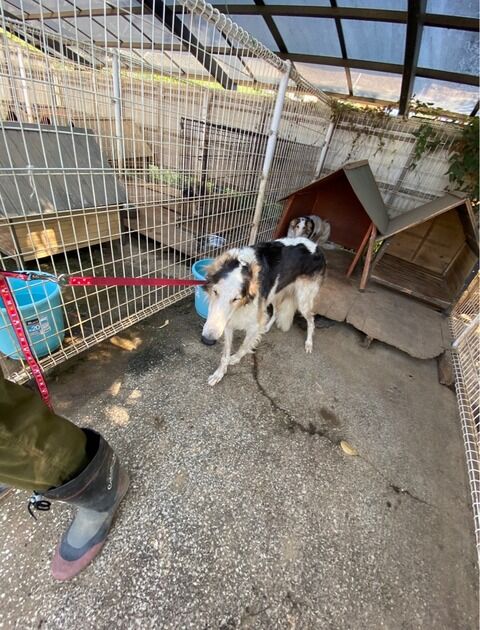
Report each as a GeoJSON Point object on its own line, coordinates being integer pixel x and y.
{"type": "Point", "coordinates": [429, 252]}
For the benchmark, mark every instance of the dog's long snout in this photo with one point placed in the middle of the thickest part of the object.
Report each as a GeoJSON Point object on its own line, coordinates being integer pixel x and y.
{"type": "Point", "coordinates": [208, 341]}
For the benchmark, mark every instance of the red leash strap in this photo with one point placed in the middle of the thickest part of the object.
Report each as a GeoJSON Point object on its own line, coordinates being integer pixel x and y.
{"type": "Point", "coordinates": [7, 297]}
{"type": "Point", "coordinates": [77, 281]}
{"type": "Point", "coordinates": [99, 281]}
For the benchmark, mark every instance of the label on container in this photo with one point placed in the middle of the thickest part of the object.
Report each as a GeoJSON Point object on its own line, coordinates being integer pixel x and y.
{"type": "Point", "coordinates": [38, 326]}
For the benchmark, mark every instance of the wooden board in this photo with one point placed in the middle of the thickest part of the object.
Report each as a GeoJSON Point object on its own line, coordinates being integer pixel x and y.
{"type": "Point", "coordinates": [409, 278]}
{"type": "Point", "coordinates": [38, 238]}
{"type": "Point", "coordinates": [433, 244]}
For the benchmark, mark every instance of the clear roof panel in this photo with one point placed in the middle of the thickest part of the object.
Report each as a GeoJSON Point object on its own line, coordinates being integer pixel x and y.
{"type": "Point", "coordinates": [262, 71]}
{"type": "Point", "coordinates": [393, 5]}
{"type": "Point", "coordinates": [234, 67]}
{"type": "Point", "coordinates": [206, 34]}
{"type": "Point", "coordinates": [449, 49]}
{"type": "Point", "coordinates": [158, 60]}
{"type": "Point", "coordinates": [327, 78]}
{"type": "Point", "coordinates": [257, 27]}
{"type": "Point", "coordinates": [454, 97]}
{"type": "Point", "coordinates": [465, 8]}
{"type": "Point", "coordinates": [374, 41]}
{"type": "Point", "coordinates": [189, 65]}
{"type": "Point", "coordinates": [381, 85]}
{"type": "Point", "coordinates": [312, 36]}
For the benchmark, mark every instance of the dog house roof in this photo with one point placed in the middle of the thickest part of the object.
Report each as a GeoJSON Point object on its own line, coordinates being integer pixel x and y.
{"type": "Point", "coordinates": [362, 181]}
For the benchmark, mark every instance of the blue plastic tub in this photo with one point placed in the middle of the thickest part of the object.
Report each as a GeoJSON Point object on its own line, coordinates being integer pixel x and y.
{"type": "Point", "coordinates": [201, 298]}
{"type": "Point", "coordinates": [40, 305]}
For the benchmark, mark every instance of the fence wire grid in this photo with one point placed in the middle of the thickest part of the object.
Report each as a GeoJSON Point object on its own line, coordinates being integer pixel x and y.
{"type": "Point", "coordinates": [465, 329]}
{"type": "Point", "coordinates": [121, 155]}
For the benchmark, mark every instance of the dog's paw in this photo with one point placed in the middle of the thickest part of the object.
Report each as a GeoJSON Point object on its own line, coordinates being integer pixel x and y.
{"type": "Point", "coordinates": [234, 360]}
{"type": "Point", "coordinates": [216, 377]}
{"type": "Point", "coordinates": [308, 347]}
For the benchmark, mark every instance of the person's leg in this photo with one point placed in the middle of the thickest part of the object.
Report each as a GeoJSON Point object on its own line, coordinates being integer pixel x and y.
{"type": "Point", "coordinates": [44, 452]}
{"type": "Point", "coordinates": [38, 449]}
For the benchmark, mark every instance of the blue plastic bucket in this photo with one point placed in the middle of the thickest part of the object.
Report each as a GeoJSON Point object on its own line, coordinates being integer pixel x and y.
{"type": "Point", "coordinates": [201, 298]}
{"type": "Point", "coordinates": [40, 306]}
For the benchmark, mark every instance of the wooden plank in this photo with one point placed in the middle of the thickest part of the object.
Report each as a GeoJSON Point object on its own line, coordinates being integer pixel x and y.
{"type": "Point", "coordinates": [413, 280]}
{"type": "Point", "coordinates": [368, 258]}
{"type": "Point", "coordinates": [54, 235]}
{"type": "Point", "coordinates": [359, 251]}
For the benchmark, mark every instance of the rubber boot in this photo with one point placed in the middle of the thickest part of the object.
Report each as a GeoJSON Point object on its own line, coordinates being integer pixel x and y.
{"type": "Point", "coordinates": [96, 491]}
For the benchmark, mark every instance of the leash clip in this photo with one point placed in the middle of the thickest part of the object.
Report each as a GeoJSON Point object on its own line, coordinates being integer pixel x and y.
{"type": "Point", "coordinates": [37, 502]}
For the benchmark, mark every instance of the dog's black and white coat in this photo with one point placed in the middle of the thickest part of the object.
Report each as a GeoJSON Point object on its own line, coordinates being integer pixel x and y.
{"type": "Point", "coordinates": [311, 226]}
{"type": "Point", "coordinates": [242, 284]}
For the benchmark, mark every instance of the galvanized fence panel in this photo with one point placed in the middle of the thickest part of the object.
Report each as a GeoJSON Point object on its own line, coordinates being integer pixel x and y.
{"type": "Point", "coordinates": [407, 174]}
{"type": "Point", "coordinates": [465, 328]}
{"type": "Point", "coordinates": [121, 155]}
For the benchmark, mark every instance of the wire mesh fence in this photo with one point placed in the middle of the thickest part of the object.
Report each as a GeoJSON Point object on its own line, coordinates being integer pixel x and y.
{"type": "Point", "coordinates": [133, 144]}
{"type": "Point", "coordinates": [409, 158]}
{"type": "Point", "coordinates": [465, 328]}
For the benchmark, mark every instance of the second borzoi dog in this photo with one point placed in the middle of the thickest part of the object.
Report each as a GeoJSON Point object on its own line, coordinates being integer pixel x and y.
{"type": "Point", "coordinates": [242, 283]}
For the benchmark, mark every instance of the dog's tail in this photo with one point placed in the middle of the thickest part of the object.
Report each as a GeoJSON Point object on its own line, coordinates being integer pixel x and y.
{"type": "Point", "coordinates": [324, 234]}
{"type": "Point", "coordinates": [285, 313]}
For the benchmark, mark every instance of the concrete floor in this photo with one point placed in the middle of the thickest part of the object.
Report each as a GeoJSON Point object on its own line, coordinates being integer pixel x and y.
{"type": "Point", "coordinates": [244, 512]}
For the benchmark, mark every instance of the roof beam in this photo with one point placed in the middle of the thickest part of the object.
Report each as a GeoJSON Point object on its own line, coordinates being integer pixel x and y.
{"type": "Point", "coordinates": [348, 13]}
{"type": "Point", "coordinates": [272, 27]}
{"type": "Point", "coordinates": [295, 10]}
{"type": "Point", "coordinates": [343, 48]}
{"type": "Point", "coordinates": [165, 14]}
{"type": "Point", "coordinates": [413, 39]}
{"type": "Point", "coordinates": [76, 13]}
{"type": "Point", "coordinates": [378, 66]}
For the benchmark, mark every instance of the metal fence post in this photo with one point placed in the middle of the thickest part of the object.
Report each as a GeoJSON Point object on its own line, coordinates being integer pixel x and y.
{"type": "Point", "coordinates": [117, 103]}
{"type": "Point", "coordinates": [325, 147]}
{"type": "Point", "coordinates": [270, 152]}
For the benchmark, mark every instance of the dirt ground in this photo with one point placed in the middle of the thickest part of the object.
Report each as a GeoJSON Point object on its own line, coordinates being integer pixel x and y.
{"type": "Point", "coordinates": [243, 510]}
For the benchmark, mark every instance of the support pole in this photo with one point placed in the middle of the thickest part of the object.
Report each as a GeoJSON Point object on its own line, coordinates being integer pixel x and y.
{"type": "Point", "coordinates": [323, 154]}
{"type": "Point", "coordinates": [270, 152]}
{"type": "Point", "coordinates": [368, 259]}
{"type": "Point", "coordinates": [25, 94]}
{"type": "Point", "coordinates": [117, 104]}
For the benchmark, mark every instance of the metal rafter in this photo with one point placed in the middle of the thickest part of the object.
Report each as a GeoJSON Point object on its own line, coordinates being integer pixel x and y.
{"type": "Point", "coordinates": [348, 13]}
{"type": "Point", "coordinates": [272, 27]}
{"type": "Point", "coordinates": [343, 48]}
{"type": "Point", "coordinates": [378, 66]}
{"type": "Point", "coordinates": [413, 39]}
{"type": "Point", "coordinates": [48, 14]}
{"type": "Point", "coordinates": [165, 14]}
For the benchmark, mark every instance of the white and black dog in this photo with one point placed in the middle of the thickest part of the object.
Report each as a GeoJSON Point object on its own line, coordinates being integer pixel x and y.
{"type": "Point", "coordinates": [311, 226]}
{"type": "Point", "coordinates": [242, 284]}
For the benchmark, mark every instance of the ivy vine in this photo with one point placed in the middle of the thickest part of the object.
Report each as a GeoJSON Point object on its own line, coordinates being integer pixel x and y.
{"type": "Point", "coordinates": [464, 162]}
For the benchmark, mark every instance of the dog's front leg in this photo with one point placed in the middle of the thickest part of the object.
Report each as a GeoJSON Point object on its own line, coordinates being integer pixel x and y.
{"type": "Point", "coordinates": [220, 372]}
{"type": "Point", "coordinates": [251, 340]}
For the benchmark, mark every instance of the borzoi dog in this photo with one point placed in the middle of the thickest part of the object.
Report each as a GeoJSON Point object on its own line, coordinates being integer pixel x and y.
{"type": "Point", "coordinates": [311, 226]}
{"type": "Point", "coordinates": [242, 284]}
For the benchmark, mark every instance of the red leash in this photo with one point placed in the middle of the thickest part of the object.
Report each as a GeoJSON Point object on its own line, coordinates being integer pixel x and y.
{"type": "Point", "coordinates": [13, 313]}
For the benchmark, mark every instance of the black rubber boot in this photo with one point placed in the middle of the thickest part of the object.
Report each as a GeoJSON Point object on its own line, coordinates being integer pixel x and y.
{"type": "Point", "coordinates": [96, 492]}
